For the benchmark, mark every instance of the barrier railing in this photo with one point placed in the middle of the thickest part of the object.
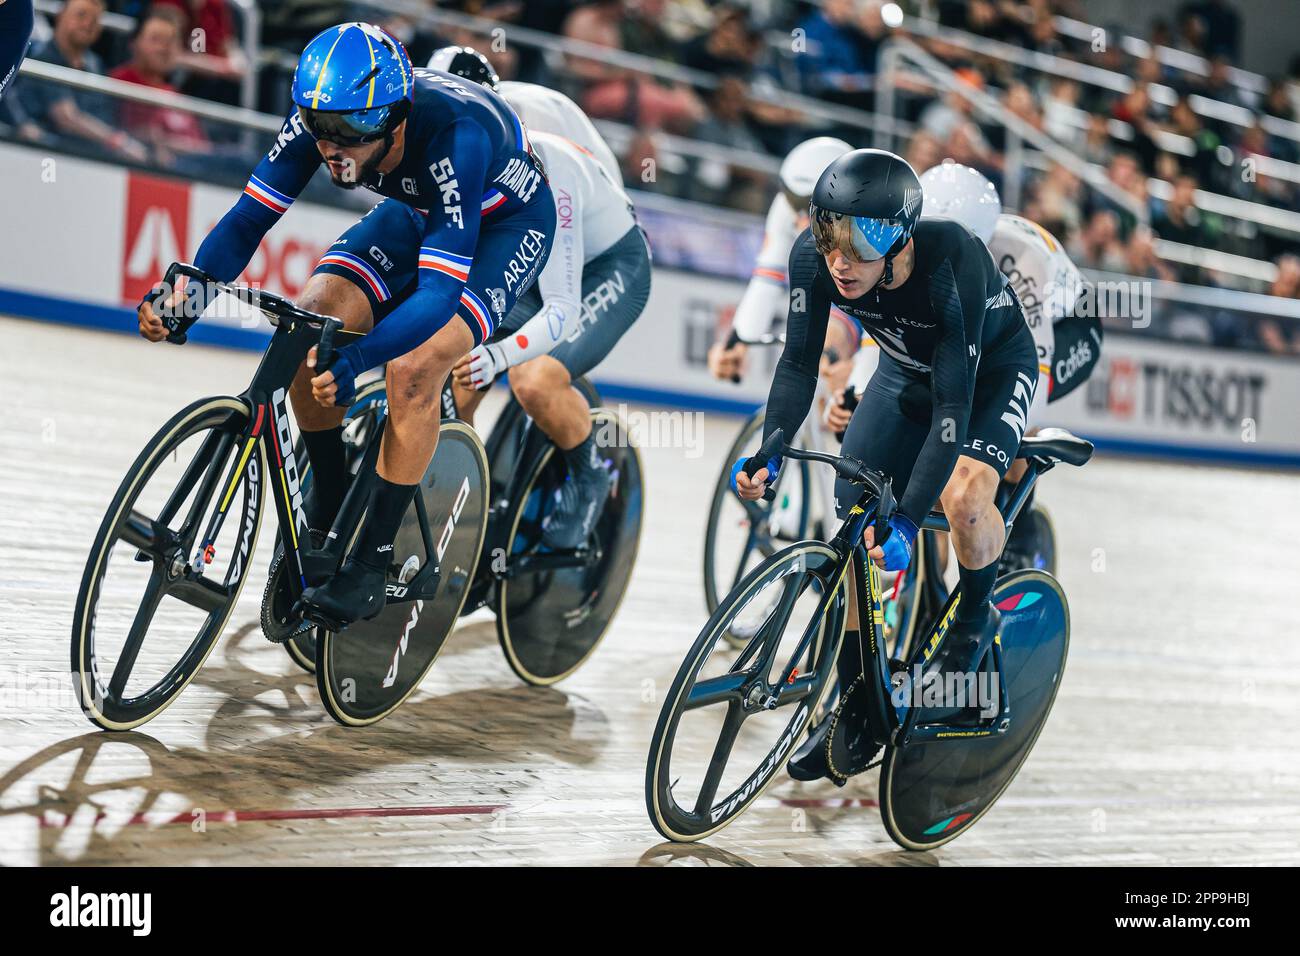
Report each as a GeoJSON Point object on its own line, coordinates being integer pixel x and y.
{"type": "Point", "coordinates": [250, 32]}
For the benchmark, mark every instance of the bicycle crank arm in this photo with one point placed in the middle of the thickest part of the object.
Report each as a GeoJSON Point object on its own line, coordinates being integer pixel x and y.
{"type": "Point", "coordinates": [553, 561]}
{"type": "Point", "coordinates": [422, 587]}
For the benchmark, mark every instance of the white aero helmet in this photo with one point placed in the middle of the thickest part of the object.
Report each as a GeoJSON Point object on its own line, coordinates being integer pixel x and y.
{"type": "Point", "coordinates": [954, 191]}
{"type": "Point", "coordinates": [804, 165]}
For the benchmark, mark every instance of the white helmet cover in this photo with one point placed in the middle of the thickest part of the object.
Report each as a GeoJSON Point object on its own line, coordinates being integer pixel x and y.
{"type": "Point", "coordinates": [804, 164]}
{"type": "Point", "coordinates": [954, 191]}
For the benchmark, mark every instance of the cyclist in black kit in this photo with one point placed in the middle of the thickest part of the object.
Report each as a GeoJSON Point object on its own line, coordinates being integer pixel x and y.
{"type": "Point", "coordinates": [945, 411]}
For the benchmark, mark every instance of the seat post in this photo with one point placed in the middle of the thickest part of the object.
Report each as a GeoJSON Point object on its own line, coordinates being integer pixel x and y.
{"type": "Point", "coordinates": [1035, 467]}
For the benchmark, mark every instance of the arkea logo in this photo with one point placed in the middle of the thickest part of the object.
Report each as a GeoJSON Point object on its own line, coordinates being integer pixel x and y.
{"type": "Point", "coordinates": [74, 909]}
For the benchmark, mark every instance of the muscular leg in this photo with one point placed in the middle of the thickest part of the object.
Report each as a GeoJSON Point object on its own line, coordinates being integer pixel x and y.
{"type": "Point", "coordinates": [410, 437]}
{"type": "Point", "coordinates": [414, 386]}
{"type": "Point", "coordinates": [321, 427]}
{"type": "Point", "coordinates": [327, 295]}
{"type": "Point", "coordinates": [546, 392]}
{"type": "Point", "coordinates": [977, 530]}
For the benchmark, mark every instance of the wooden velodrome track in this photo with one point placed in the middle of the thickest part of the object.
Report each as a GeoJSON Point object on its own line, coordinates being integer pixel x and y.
{"type": "Point", "coordinates": [1172, 740]}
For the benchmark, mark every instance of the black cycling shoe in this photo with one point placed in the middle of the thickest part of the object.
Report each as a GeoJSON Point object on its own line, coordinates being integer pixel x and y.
{"type": "Point", "coordinates": [809, 761]}
{"type": "Point", "coordinates": [279, 621]}
{"type": "Point", "coordinates": [355, 593]}
{"type": "Point", "coordinates": [581, 499]}
{"type": "Point", "coordinates": [965, 645]}
{"type": "Point", "coordinates": [842, 745]}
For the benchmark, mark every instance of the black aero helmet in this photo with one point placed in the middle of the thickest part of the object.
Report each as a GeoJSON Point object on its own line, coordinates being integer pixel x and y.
{"type": "Point", "coordinates": [866, 204]}
{"type": "Point", "coordinates": [465, 62]}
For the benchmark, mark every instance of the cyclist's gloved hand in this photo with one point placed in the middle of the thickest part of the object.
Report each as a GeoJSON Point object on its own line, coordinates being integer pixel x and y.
{"type": "Point", "coordinates": [345, 371]}
{"type": "Point", "coordinates": [898, 546]}
{"type": "Point", "coordinates": [773, 466]}
{"type": "Point", "coordinates": [486, 362]}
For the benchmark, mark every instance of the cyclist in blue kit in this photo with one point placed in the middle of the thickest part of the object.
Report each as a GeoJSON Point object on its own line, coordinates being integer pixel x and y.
{"type": "Point", "coordinates": [464, 230]}
{"type": "Point", "coordinates": [16, 19]}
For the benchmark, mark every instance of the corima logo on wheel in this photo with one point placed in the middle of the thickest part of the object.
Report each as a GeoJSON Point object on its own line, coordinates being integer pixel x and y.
{"type": "Point", "coordinates": [773, 761]}
{"type": "Point", "coordinates": [284, 437]}
{"type": "Point", "coordinates": [237, 562]}
{"type": "Point", "coordinates": [449, 529]}
{"type": "Point", "coordinates": [391, 677]}
{"type": "Point", "coordinates": [414, 618]}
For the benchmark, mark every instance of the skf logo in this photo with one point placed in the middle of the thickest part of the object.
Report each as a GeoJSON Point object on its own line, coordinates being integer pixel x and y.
{"type": "Point", "coordinates": [288, 133]}
{"type": "Point", "coordinates": [445, 176]}
{"type": "Point", "coordinates": [284, 435]}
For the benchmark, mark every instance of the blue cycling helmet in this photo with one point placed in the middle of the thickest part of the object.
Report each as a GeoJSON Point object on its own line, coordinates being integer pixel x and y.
{"type": "Point", "coordinates": [353, 84]}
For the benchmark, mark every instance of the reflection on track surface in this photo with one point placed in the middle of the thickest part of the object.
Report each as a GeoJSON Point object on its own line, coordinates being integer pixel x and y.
{"type": "Point", "coordinates": [1169, 743]}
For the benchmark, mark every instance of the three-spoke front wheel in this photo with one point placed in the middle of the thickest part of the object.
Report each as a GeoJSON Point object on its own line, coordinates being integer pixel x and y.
{"type": "Point", "coordinates": [156, 593]}
{"type": "Point", "coordinates": [732, 718]}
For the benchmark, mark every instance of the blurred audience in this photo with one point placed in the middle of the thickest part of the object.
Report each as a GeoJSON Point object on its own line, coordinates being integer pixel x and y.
{"type": "Point", "coordinates": [724, 68]}
{"type": "Point", "coordinates": [155, 55]}
{"type": "Point", "coordinates": [78, 117]}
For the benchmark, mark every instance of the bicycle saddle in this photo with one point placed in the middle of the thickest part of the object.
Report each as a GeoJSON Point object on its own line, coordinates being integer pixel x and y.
{"type": "Point", "coordinates": [1058, 444]}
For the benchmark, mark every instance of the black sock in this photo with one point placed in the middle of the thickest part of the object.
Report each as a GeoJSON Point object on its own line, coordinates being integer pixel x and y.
{"type": "Point", "coordinates": [849, 664]}
{"type": "Point", "coordinates": [329, 480]}
{"type": "Point", "coordinates": [388, 503]}
{"type": "Point", "coordinates": [976, 586]}
{"type": "Point", "coordinates": [582, 456]}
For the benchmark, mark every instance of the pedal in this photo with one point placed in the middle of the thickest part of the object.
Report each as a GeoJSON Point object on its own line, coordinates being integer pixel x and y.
{"type": "Point", "coordinates": [313, 614]}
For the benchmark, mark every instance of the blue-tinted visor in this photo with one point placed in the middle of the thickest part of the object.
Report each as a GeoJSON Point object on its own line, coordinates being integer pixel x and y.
{"type": "Point", "coordinates": [858, 237]}
{"type": "Point", "coordinates": [349, 129]}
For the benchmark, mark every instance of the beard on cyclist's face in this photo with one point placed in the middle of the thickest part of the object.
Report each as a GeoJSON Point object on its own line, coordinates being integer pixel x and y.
{"type": "Point", "coordinates": [350, 166]}
{"type": "Point", "coordinates": [851, 277]}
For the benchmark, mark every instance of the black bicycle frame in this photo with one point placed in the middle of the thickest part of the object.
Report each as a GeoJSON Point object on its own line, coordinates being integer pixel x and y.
{"type": "Point", "coordinates": [896, 723]}
{"type": "Point", "coordinates": [266, 398]}
{"type": "Point", "coordinates": [899, 720]}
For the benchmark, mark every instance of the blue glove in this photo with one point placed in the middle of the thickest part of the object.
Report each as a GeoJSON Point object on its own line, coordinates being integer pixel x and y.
{"type": "Point", "coordinates": [345, 375]}
{"type": "Point", "coordinates": [898, 546]}
{"type": "Point", "coordinates": [773, 466]}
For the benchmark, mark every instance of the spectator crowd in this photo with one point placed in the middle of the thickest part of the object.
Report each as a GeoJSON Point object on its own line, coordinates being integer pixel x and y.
{"type": "Point", "coordinates": [723, 78]}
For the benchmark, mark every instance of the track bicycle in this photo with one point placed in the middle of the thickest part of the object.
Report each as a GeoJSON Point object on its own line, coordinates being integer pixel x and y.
{"type": "Point", "coordinates": [552, 609]}
{"type": "Point", "coordinates": [172, 553]}
{"type": "Point", "coordinates": [740, 533]}
{"type": "Point", "coordinates": [946, 761]}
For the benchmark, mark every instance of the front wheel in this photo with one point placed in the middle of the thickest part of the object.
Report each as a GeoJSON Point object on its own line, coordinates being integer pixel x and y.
{"type": "Point", "coordinates": [156, 592]}
{"type": "Point", "coordinates": [731, 720]}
